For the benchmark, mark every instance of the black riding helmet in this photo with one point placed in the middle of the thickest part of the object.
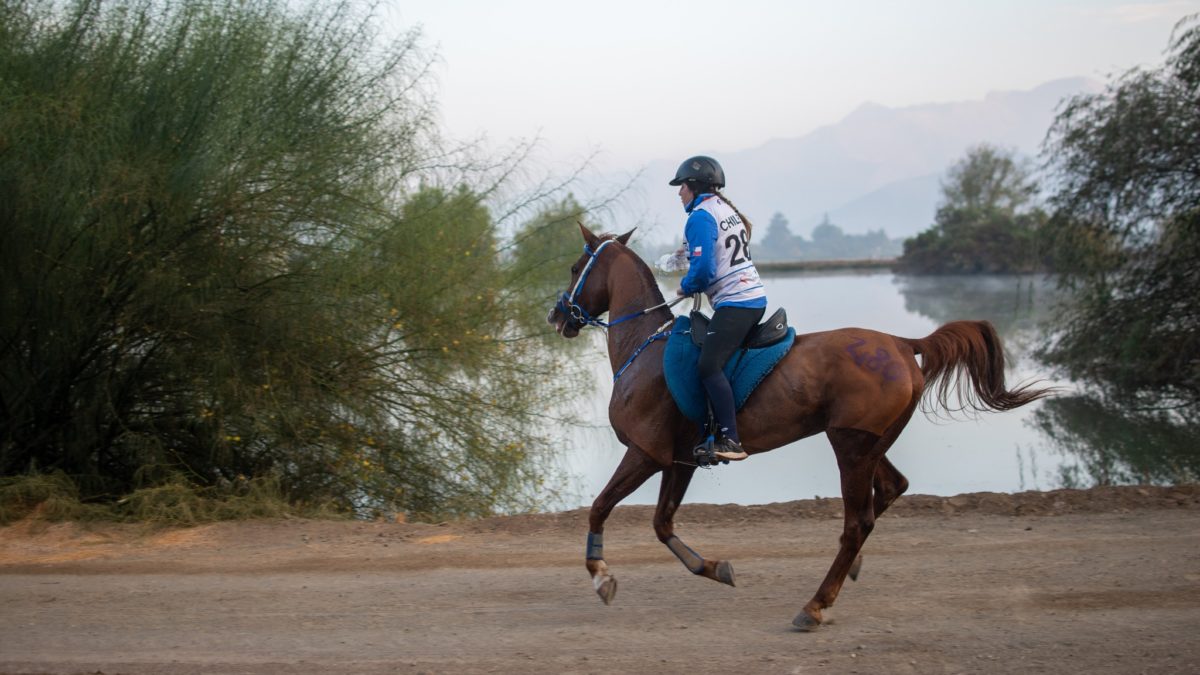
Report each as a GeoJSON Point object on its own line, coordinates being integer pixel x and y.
{"type": "Point", "coordinates": [700, 169]}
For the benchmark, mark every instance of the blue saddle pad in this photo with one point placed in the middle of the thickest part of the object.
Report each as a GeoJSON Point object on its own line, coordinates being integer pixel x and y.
{"type": "Point", "coordinates": [745, 370]}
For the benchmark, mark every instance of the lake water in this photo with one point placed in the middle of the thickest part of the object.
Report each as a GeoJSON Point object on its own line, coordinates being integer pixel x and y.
{"type": "Point", "coordinates": [1000, 452]}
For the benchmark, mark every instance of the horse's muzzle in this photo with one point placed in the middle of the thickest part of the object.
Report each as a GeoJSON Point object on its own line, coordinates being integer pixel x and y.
{"type": "Point", "coordinates": [566, 317]}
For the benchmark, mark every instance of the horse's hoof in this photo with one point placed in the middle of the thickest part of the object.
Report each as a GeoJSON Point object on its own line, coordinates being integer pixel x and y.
{"type": "Point", "coordinates": [855, 568]}
{"type": "Point", "coordinates": [804, 622]}
{"type": "Point", "coordinates": [725, 572]}
{"type": "Point", "coordinates": [606, 588]}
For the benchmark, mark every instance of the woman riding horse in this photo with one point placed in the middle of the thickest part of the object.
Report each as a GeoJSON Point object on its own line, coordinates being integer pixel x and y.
{"type": "Point", "coordinates": [858, 386]}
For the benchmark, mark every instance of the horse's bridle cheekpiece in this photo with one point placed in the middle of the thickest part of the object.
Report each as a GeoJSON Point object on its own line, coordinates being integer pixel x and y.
{"type": "Point", "coordinates": [579, 316]}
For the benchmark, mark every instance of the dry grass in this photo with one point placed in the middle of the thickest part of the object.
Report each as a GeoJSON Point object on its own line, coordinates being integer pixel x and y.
{"type": "Point", "coordinates": [54, 497]}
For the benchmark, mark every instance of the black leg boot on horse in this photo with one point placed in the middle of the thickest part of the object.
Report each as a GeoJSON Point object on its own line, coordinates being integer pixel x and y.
{"type": "Point", "coordinates": [675, 482]}
{"type": "Point", "coordinates": [635, 468]}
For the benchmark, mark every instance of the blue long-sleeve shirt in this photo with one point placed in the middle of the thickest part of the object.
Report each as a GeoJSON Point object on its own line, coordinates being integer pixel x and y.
{"type": "Point", "coordinates": [720, 268]}
{"type": "Point", "coordinates": [701, 235]}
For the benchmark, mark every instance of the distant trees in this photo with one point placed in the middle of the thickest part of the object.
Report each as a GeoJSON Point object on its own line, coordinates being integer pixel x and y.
{"type": "Point", "coordinates": [779, 243]}
{"type": "Point", "coordinates": [1128, 207]}
{"type": "Point", "coordinates": [225, 252]}
{"type": "Point", "coordinates": [987, 221]}
{"type": "Point", "coordinates": [828, 242]}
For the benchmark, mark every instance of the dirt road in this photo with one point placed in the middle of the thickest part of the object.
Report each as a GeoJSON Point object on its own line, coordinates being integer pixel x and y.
{"type": "Point", "coordinates": [1098, 581]}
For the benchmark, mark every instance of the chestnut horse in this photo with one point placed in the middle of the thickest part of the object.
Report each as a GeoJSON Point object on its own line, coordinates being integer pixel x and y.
{"type": "Point", "coordinates": [858, 386]}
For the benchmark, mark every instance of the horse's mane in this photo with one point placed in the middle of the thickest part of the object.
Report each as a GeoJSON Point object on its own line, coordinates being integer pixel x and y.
{"type": "Point", "coordinates": [643, 267]}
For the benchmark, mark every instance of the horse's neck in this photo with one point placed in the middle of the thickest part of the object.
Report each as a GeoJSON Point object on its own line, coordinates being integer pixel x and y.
{"type": "Point", "coordinates": [631, 290]}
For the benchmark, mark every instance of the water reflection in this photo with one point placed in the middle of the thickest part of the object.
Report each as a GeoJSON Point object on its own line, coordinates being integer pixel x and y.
{"type": "Point", "coordinates": [1099, 442]}
{"type": "Point", "coordinates": [1017, 305]}
{"type": "Point", "coordinates": [1113, 445]}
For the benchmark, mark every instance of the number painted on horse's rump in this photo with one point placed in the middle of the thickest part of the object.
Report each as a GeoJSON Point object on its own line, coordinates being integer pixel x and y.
{"type": "Point", "coordinates": [881, 362]}
{"type": "Point", "coordinates": [859, 387]}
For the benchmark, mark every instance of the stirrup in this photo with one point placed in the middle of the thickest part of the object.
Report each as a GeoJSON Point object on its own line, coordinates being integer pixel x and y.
{"type": "Point", "coordinates": [705, 454]}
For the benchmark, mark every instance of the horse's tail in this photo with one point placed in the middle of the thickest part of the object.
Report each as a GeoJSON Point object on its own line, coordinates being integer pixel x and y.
{"type": "Point", "coordinates": [972, 347]}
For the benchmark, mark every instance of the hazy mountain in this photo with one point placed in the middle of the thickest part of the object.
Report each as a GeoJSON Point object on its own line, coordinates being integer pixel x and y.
{"type": "Point", "coordinates": [911, 202]}
{"type": "Point", "coordinates": [878, 167]}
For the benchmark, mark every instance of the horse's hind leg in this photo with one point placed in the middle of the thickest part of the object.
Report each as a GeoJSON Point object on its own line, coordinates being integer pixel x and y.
{"type": "Point", "coordinates": [858, 454]}
{"type": "Point", "coordinates": [634, 469]}
{"type": "Point", "coordinates": [675, 482]}
{"type": "Point", "coordinates": [889, 484]}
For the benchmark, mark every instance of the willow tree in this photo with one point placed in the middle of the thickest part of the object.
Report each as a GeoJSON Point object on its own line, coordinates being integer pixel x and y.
{"type": "Point", "coordinates": [223, 253]}
{"type": "Point", "coordinates": [1128, 206]}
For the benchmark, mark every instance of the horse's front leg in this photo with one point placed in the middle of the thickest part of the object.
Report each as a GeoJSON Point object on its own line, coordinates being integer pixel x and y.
{"type": "Point", "coordinates": [675, 482]}
{"type": "Point", "coordinates": [633, 470]}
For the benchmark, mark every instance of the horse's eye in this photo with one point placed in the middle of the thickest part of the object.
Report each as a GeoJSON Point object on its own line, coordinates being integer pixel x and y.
{"type": "Point", "coordinates": [574, 269]}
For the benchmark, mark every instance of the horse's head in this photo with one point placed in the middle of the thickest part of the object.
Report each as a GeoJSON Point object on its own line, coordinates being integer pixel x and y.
{"type": "Point", "coordinates": [587, 296]}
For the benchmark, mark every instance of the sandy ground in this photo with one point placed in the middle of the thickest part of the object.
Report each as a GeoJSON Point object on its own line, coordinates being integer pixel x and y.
{"type": "Point", "coordinates": [1097, 581]}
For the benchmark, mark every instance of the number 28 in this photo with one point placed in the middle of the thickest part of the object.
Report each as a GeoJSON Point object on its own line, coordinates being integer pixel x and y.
{"type": "Point", "coordinates": [741, 247]}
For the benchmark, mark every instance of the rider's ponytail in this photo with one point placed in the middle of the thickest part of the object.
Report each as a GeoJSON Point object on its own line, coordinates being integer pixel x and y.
{"type": "Point", "coordinates": [745, 220]}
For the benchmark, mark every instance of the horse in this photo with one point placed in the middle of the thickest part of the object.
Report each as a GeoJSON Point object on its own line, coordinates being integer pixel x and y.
{"type": "Point", "coordinates": [858, 386]}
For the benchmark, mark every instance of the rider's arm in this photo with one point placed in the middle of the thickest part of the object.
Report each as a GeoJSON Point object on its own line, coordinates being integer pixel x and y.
{"type": "Point", "coordinates": [701, 235]}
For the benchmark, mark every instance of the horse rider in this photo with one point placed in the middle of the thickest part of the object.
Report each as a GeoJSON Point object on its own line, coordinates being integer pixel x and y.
{"type": "Point", "coordinates": [717, 241]}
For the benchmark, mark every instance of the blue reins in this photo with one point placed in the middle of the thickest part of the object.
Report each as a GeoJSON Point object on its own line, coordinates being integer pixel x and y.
{"type": "Point", "coordinates": [568, 306]}
{"type": "Point", "coordinates": [657, 336]}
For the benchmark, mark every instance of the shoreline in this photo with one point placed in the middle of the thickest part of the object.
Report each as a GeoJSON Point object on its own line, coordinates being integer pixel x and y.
{"type": "Point", "coordinates": [859, 264]}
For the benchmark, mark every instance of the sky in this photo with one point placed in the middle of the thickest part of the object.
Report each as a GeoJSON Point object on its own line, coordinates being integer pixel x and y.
{"type": "Point", "coordinates": [627, 82]}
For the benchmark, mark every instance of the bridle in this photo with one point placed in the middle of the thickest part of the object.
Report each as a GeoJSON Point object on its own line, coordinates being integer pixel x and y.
{"type": "Point", "coordinates": [577, 315]}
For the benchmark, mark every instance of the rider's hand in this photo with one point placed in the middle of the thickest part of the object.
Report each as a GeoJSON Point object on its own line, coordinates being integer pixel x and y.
{"type": "Point", "coordinates": [679, 292]}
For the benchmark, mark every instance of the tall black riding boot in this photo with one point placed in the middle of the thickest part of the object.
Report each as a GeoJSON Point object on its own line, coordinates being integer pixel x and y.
{"type": "Point", "coordinates": [720, 395]}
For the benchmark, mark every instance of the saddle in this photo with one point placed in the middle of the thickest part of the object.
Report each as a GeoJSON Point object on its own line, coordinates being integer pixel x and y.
{"type": "Point", "coordinates": [754, 360]}
{"type": "Point", "coordinates": [765, 334]}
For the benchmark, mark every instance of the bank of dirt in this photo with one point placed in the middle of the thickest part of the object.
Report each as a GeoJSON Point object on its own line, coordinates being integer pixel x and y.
{"type": "Point", "coordinates": [1101, 580]}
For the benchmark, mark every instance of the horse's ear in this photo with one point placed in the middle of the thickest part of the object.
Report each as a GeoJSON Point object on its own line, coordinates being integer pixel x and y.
{"type": "Point", "coordinates": [588, 238]}
{"type": "Point", "coordinates": [624, 239]}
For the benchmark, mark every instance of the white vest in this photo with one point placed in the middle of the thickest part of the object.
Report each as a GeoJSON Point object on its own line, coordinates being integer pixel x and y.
{"type": "Point", "coordinates": [736, 279]}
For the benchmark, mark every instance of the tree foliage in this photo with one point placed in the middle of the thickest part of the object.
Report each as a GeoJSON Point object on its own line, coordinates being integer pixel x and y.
{"type": "Point", "coordinates": [988, 179]}
{"type": "Point", "coordinates": [548, 243]}
{"type": "Point", "coordinates": [1125, 161]}
{"type": "Point", "coordinates": [987, 222]}
{"type": "Point", "coordinates": [223, 254]}
{"type": "Point", "coordinates": [542, 250]}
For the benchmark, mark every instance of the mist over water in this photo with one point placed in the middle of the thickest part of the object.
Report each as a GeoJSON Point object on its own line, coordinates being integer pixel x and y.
{"type": "Point", "coordinates": [1000, 452]}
